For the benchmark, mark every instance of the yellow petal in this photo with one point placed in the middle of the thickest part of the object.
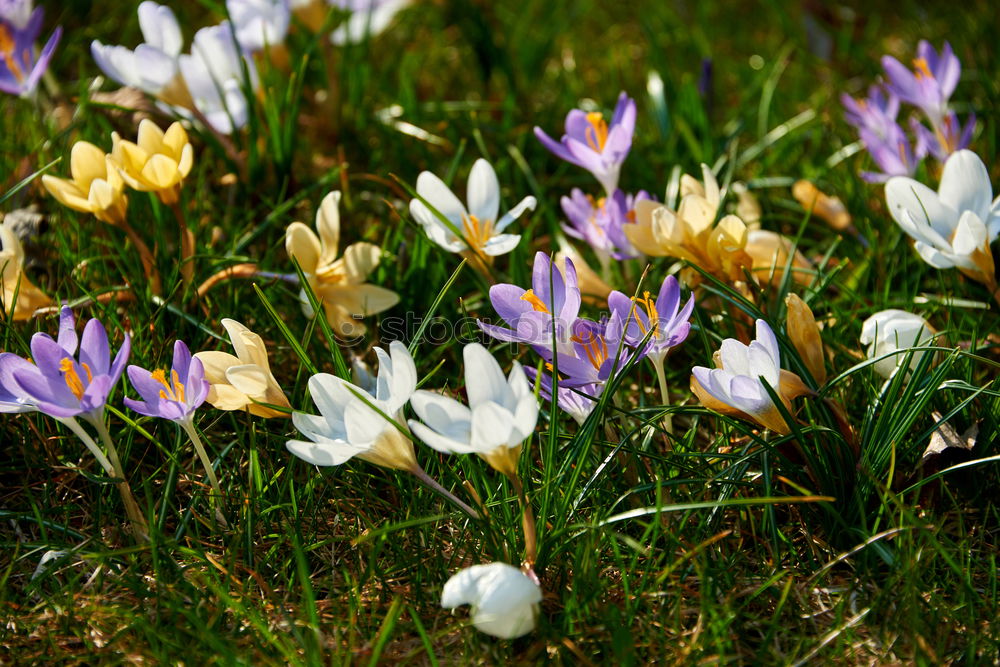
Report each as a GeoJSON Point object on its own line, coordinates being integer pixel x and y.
{"type": "Point", "coordinates": [342, 322]}
{"type": "Point", "coordinates": [361, 300]}
{"type": "Point", "coordinates": [130, 159]}
{"type": "Point", "coordinates": [822, 205]}
{"type": "Point", "coordinates": [86, 162]}
{"type": "Point", "coordinates": [251, 379]}
{"type": "Point", "coordinates": [360, 259]}
{"type": "Point", "coordinates": [216, 364]}
{"type": "Point", "coordinates": [175, 139]}
{"type": "Point", "coordinates": [186, 161]}
{"type": "Point", "coordinates": [226, 397]}
{"type": "Point", "coordinates": [67, 193]}
{"type": "Point", "coordinates": [302, 244]}
{"type": "Point", "coordinates": [804, 334]}
{"type": "Point", "coordinates": [249, 346]}
{"type": "Point", "coordinates": [150, 137]}
{"type": "Point", "coordinates": [768, 252]}
{"type": "Point", "coordinates": [328, 226]}
{"type": "Point", "coordinates": [697, 213]}
{"type": "Point", "coordinates": [160, 172]}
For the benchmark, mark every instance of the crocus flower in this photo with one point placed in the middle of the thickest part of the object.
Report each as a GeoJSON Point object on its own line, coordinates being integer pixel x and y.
{"type": "Point", "coordinates": [18, 13]}
{"type": "Point", "coordinates": [828, 208]}
{"type": "Point", "coordinates": [153, 66]}
{"type": "Point", "coordinates": [368, 18]}
{"type": "Point", "coordinates": [931, 82]}
{"type": "Point", "coordinates": [946, 137]}
{"type": "Point", "coordinates": [600, 222]}
{"type": "Point", "coordinates": [590, 142]}
{"type": "Point", "coordinates": [71, 376]}
{"type": "Point", "coordinates": [157, 162]}
{"type": "Point", "coordinates": [803, 332]}
{"type": "Point", "coordinates": [553, 302]}
{"type": "Point", "coordinates": [769, 251]}
{"type": "Point", "coordinates": [19, 30]}
{"type": "Point", "coordinates": [481, 233]}
{"type": "Point", "coordinates": [338, 283]}
{"type": "Point", "coordinates": [21, 298]}
{"type": "Point", "coordinates": [504, 600]}
{"type": "Point", "coordinates": [888, 333]}
{"type": "Point", "coordinates": [689, 233]}
{"type": "Point", "coordinates": [353, 422]}
{"type": "Point", "coordinates": [954, 226]}
{"type": "Point", "coordinates": [244, 381]}
{"type": "Point", "coordinates": [95, 186]}
{"type": "Point", "coordinates": [735, 388]}
{"type": "Point", "coordinates": [577, 402]}
{"type": "Point", "coordinates": [664, 316]}
{"type": "Point", "coordinates": [874, 118]}
{"type": "Point", "coordinates": [877, 112]}
{"type": "Point", "coordinates": [501, 414]}
{"type": "Point", "coordinates": [259, 23]}
{"type": "Point", "coordinates": [214, 77]}
{"type": "Point", "coordinates": [175, 397]}
{"type": "Point", "coordinates": [599, 352]}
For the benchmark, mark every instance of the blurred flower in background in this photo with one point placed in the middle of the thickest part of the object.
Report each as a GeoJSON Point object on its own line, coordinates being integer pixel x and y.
{"type": "Point", "coordinates": [20, 27]}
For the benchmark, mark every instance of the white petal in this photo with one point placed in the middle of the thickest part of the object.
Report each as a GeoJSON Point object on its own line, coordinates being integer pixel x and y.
{"type": "Point", "coordinates": [526, 204]}
{"type": "Point", "coordinates": [433, 189]}
{"type": "Point", "coordinates": [922, 203]}
{"type": "Point", "coordinates": [160, 28]}
{"type": "Point", "coordinates": [503, 598]}
{"type": "Point", "coordinates": [501, 244]}
{"type": "Point", "coordinates": [326, 453]}
{"type": "Point", "coordinates": [483, 195]}
{"type": "Point", "coordinates": [970, 235]}
{"type": "Point", "coordinates": [492, 427]}
{"type": "Point", "coordinates": [965, 184]}
{"type": "Point", "coordinates": [443, 414]}
{"type": "Point", "coordinates": [484, 381]}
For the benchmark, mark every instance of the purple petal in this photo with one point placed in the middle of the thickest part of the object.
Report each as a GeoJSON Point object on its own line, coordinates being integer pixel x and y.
{"type": "Point", "coordinates": [68, 340]}
{"type": "Point", "coordinates": [121, 359]}
{"type": "Point", "coordinates": [143, 382]}
{"type": "Point", "coordinates": [181, 363]}
{"type": "Point", "coordinates": [94, 347]}
{"type": "Point", "coordinates": [52, 396]}
{"type": "Point", "coordinates": [143, 408]}
{"type": "Point", "coordinates": [47, 355]}
{"type": "Point", "coordinates": [96, 394]}
{"type": "Point", "coordinates": [507, 301]}
{"type": "Point", "coordinates": [553, 146]}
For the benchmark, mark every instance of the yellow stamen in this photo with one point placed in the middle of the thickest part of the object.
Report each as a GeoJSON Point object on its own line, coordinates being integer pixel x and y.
{"type": "Point", "coordinates": [922, 69]}
{"type": "Point", "coordinates": [178, 387]}
{"type": "Point", "coordinates": [169, 393]}
{"type": "Point", "coordinates": [597, 133]}
{"type": "Point", "coordinates": [72, 378]}
{"type": "Point", "coordinates": [595, 347]}
{"type": "Point", "coordinates": [535, 302]}
{"type": "Point", "coordinates": [7, 45]}
{"type": "Point", "coordinates": [649, 305]}
{"type": "Point", "coordinates": [477, 232]}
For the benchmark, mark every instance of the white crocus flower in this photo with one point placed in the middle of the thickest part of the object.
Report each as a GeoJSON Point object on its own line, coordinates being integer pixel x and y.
{"type": "Point", "coordinates": [368, 18]}
{"type": "Point", "coordinates": [504, 600]}
{"type": "Point", "coordinates": [954, 226]}
{"type": "Point", "coordinates": [214, 76]}
{"type": "Point", "coordinates": [259, 23]}
{"type": "Point", "coordinates": [502, 413]}
{"type": "Point", "coordinates": [734, 386]}
{"type": "Point", "coordinates": [482, 233]}
{"type": "Point", "coordinates": [353, 422]}
{"type": "Point", "coordinates": [152, 67]}
{"type": "Point", "coordinates": [890, 331]}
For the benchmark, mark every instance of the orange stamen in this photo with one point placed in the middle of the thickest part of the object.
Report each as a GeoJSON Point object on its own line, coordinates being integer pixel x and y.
{"type": "Point", "coordinates": [595, 347]}
{"type": "Point", "coordinates": [536, 303]}
{"type": "Point", "coordinates": [597, 133]}
{"type": "Point", "coordinates": [7, 53]}
{"type": "Point", "coordinates": [649, 305]}
{"type": "Point", "coordinates": [477, 232]}
{"type": "Point", "coordinates": [72, 378]}
{"type": "Point", "coordinates": [922, 69]}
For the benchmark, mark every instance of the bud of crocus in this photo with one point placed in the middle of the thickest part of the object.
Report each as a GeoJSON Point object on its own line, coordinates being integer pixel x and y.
{"type": "Point", "coordinates": [823, 206]}
{"type": "Point", "coordinates": [504, 600]}
{"type": "Point", "coordinates": [804, 334]}
{"type": "Point", "coordinates": [158, 162]}
{"type": "Point", "coordinates": [769, 253]}
{"type": "Point", "coordinates": [894, 331]}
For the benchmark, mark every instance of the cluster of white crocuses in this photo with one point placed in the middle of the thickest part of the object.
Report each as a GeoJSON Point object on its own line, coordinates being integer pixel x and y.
{"type": "Point", "coordinates": [366, 419]}
{"type": "Point", "coordinates": [216, 81]}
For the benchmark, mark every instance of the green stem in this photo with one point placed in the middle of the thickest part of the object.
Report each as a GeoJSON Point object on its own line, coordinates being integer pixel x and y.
{"type": "Point", "coordinates": [420, 474]}
{"type": "Point", "coordinates": [661, 377]}
{"type": "Point", "coordinates": [72, 424]}
{"type": "Point", "coordinates": [131, 506]}
{"type": "Point", "coordinates": [192, 433]}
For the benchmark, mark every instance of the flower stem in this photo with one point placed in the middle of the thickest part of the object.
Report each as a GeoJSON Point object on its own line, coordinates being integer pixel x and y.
{"type": "Point", "coordinates": [145, 256]}
{"type": "Point", "coordinates": [139, 524]}
{"type": "Point", "coordinates": [420, 474]}
{"type": "Point", "coordinates": [192, 433]}
{"type": "Point", "coordinates": [72, 424]}
{"type": "Point", "coordinates": [661, 377]}
{"type": "Point", "coordinates": [527, 524]}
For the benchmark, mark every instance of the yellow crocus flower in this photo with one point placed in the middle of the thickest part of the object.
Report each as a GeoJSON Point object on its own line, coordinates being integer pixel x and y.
{"type": "Point", "coordinates": [244, 381]}
{"type": "Point", "coordinates": [338, 283]}
{"type": "Point", "coordinates": [15, 282]}
{"type": "Point", "coordinates": [157, 162]}
{"type": "Point", "coordinates": [95, 186]}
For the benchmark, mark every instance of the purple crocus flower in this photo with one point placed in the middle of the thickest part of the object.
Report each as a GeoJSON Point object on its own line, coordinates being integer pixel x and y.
{"type": "Point", "coordinates": [591, 143]}
{"type": "Point", "coordinates": [946, 137]}
{"type": "Point", "coordinates": [931, 82]}
{"type": "Point", "coordinates": [894, 154]}
{"type": "Point", "coordinates": [19, 70]}
{"type": "Point", "coordinates": [599, 352]}
{"type": "Point", "coordinates": [578, 402]}
{"type": "Point", "coordinates": [175, 398]}
{"type": "Point", "coordinates": [876, 113]}
{"type": "Point", "coordinates": [663, 315]}
{"type": "Point", "coordinates": [552, 301]}
{"type": "Point", "coordinates": [71, 376]}
{"type": "Point", "coordinates": [600, 222]}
